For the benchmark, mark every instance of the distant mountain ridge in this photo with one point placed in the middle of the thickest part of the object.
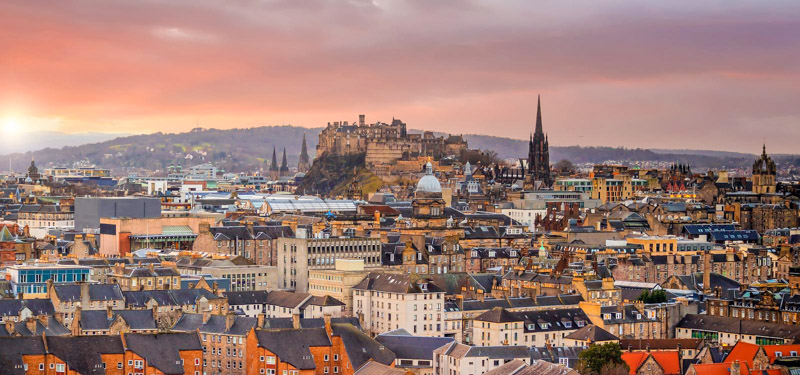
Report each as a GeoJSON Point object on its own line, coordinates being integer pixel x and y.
{"type": "Point", "coordinates": [248, 149]}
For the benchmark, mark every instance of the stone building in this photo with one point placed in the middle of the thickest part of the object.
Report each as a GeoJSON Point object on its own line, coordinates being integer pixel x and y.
{"type": "Point", "coordinates": [539, 152]}
{"type": "Point", "coordinates": [764, 172]}
{"type": "Point", "coordinates": [384, 143]}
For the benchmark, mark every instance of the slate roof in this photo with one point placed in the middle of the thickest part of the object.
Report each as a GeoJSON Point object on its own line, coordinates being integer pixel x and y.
{"type": "Point", "coordinates": [97, 292]}
{"type": "Point", "coordinates": [298, 354]}
{"type": "Point", "coordinates": [555, 354]}
{"type": "Point", "coordinates": [53, 328]}
{"type": "Point", "coordinates": [287, 323]}
{"type": "Point", "coordinates": [498, 315]}
{"type": "Point", "coordinates": [592, 333]}
{"type": "Point", "coordinates": [375, 368]}
{"type": "Point", "coordinates": [88, 359]}
{"type": "Point", "coordinates": [412, 347]}
{"type": "Point", "coordinates": [176, 297]}
{"type": "Point", "coordinates": [216, 324]}
{"type": "Point", "coordinates": [258, 297]}
{"type": "Point", "coordinates": [97, 320]}
{"type": "Point", "coordinates": [360, 347]}
{"type": "Point", "coordinates": [393, 283]}
{"type": "Point", "coordinates": [13, 348]}
{"type": "Point", "coordinates": [162, 350]}
{"type": "Point", "coordinates": [733, 325]}
{"type": "Point", "coordinates": [39, 306]}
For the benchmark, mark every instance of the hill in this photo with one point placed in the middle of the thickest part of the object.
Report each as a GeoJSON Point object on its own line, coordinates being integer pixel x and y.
{"type": "Point", "coordinates": [237, 150]}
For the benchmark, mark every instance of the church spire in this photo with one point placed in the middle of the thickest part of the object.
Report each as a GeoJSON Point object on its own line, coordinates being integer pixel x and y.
{"type": "Point", "coordinates": [303, 164]}
{"type": "Point", "coordinates": [284, 164]}
{"type": "Point", "coordinates": [538, 114]}
{"type": "Point", "coordinates": [274, 165]}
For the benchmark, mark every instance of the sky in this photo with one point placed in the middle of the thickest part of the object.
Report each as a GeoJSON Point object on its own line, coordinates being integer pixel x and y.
{"type": "Point", "coordinates": [721, 75]}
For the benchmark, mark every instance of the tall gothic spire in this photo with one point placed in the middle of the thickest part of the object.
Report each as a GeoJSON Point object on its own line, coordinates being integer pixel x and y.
{"type": "Point", "coordinates": [538, 114]}
{"type": "Point", "coordinates": [303, 163]}
{"type": "Point", "coordinates": [274, 165]}
{"type": "Point", "coordinates": [284, 165]}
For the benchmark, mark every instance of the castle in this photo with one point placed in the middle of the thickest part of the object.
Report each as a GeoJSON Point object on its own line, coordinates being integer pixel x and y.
{"type": "Point", "coordinates": [384, 144]}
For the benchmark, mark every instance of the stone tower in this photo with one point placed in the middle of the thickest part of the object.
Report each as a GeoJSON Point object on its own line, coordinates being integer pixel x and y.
{"type": "Point", "coordinates": [303, 164]}
{"type": "Point", "coordinates": [539, 152]}
{"type": "Point", "coordinates": [764, 173]}
{"type": "Point", "coordinates": [273, 166]}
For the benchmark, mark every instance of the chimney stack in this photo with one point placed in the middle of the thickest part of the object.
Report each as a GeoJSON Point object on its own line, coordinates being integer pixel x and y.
{"type": "Point", "coordinates": [85, 295]}
{"type": "Point", "coordinates": [109, 312]}
{"type": "Point", "coordinates": [296, 321]}
{"type": "Point", "coordinates": [707, 272]}
{"type": "Point", "coordinates": [230, 318]}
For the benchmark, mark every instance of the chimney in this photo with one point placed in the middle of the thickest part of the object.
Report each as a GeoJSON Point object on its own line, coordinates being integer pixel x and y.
{"type": "Point", "coordinates": [49, 284]}
{"type": "Point", "coordinates": [203, 228]}
{"type": "Point", "coordinates": [109, 312]}
{"type": "Point", "coordinates": [206, 315]}
{"type": "Point", "coordinates": [707, 272]}
{"type": "Point", "coordinates": [630, 348]}
{"type": "Point", "coordinates": [230, 318]}
{"type": "Point", "coordinates": [9, 326]}
{"type": "Point", "coordinates": [260, 318]}
{"type": "Point", "coordinates": [327, 319]}
{"type": "Point", "coordinates": [361, 120]}
{"type": "Point", "coordinates": [155, 314]}
{"type": "Point", "coordinates": [736, 368]}
{"type": "Point", "coordinates": [481, 295]}
{"type": "Point", "coordinates": [296, 321]}
{"type": "Point", "coordinates": [85, 295]}
{"type": "Point", "coordinates": [30, 324]}
{"type": "Point", "coordinates": [59, 316]}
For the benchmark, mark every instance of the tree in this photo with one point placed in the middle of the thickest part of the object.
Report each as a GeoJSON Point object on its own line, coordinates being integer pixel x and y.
{"type": "Point", "coordinates": [656, 296]}
{"type": "Point", "coordinates": [600, 359]}
{"type": "Point", "coordinates": [564, 167]}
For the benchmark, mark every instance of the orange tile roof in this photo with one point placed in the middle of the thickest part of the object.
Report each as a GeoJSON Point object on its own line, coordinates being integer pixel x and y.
{"type": "Point", "coordinates": [668, 360]}
{"type": "Point", "coordinates": [743, 352]}
{"type": "Point", "coordinates": [723, 368]}
{"type": "Point", "coordinates": [766, 372]}
{"type": "Point", "coordinates": [784, 349]}
{"type": "Point", "coordinates": [634, 360]}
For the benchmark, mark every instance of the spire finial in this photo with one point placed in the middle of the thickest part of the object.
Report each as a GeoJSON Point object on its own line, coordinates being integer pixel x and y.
{"type": "Point", "coordinates": [539, 114]}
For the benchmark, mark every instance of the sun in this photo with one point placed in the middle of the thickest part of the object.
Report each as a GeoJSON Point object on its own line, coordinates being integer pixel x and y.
{"type": "Point", "coordinates": [11, 126]}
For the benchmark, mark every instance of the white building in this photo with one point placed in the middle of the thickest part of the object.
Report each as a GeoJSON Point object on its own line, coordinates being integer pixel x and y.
{"type": "Point", "coordinates": [388, 301]}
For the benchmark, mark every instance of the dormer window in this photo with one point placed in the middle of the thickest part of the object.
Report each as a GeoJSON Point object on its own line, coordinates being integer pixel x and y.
{"type": "Point", "coordinates": [638, 316]}
{"type": "Point", "coordinates": [778, 354]}
{"type": "Point", "coordinates": [619, 316]}
{"type": "Point", "coordinates": [793, 353]}
{"type": "Point", "coordinates": [580, 323]}
{"type": "Point", "coordinates": [606, 316]}
{"type": "Point", "coordinates": [567, 324]}
{"type": "Point", "coordinates": [531, 327]}
{"type": "Point", "coordinates": [474, 253]}
{"type": "Point", "coordinates": [544, 325]}
{"type": "Point", "coordinates": [491, 254]}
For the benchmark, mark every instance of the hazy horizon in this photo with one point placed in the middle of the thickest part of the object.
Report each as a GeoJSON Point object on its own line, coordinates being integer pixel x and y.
{"type": "Point", "coordinates": [717, 75]}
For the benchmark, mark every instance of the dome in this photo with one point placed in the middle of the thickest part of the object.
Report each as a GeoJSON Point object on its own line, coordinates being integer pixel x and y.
{"type": "Point", "coordinates": [429, 183]}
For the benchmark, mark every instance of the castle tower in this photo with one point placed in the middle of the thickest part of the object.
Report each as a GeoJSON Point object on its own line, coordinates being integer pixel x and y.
{"type": "Point", "coordinates": [539, 151]}
{"type": "Point", "coordinates": [303, 164]}
{"type": "Point", "coordinates": [764, 173]}
{"type": "Point", "coordinates": [284, 165]}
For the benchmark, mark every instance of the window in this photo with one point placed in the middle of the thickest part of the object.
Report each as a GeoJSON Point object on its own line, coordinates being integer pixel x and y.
{"type": "Point", "coordinates": [41, 367]}
{"type": "Point", "coordinates": [335, 357]}
{"type": "Point", "coordinates": [335, 369]}
{"type": "Point", "coordinates": [197, 361]}
{"type": "Point", "coordinates": [60, 367]}
{"type": "Point", "coordinates": [261, 358]}
{"type": "Point", "coordinates": [325, 358]}
{"type": "Point", "coordinates": [271, 360]}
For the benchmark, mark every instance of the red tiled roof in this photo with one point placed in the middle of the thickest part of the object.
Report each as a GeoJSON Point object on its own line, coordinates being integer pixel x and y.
{"type": "Point", "coordinates": [743, 352]}
{"type": "Point", "coordinates": [634, 360]}
{"type": "Point", "coordinates": [785, 351]}
{"type": "Point", "coordinates": [668, 360]}
{"type": "Point", "coordinates": [723, 368]}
